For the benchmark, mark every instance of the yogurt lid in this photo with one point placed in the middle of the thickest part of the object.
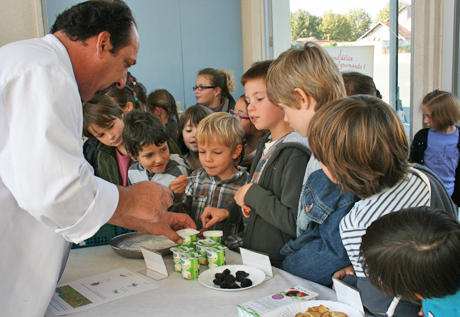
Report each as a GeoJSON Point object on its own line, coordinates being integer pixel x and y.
{"type": "Point", "coordinates": [213, 233]}
{"type": "Point", "coordinates": [183, 233]}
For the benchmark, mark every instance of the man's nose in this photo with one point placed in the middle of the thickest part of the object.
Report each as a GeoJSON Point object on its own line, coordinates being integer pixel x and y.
{"type": "Point", "coordinates": [121, 83]}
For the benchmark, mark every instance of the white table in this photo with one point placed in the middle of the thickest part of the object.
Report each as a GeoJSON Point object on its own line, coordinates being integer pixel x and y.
{"type": "Point", "coordinates": [175, 296]}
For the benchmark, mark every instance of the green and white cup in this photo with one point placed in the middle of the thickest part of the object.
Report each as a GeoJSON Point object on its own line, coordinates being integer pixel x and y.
{"type": "Point", "coordinates": [215, 235]}
{"type": "Point", "coordinates": [216, 256]}
{"type": "Point", "coordinates": [201, 246]}
{"type": "Point", "coordinates": [190, 266]}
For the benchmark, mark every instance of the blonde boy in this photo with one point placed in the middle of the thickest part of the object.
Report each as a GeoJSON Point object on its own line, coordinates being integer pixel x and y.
{"type": "Point", "coordinates": [301, 82]}
{"type": "Point", "coordinates": [209, 193]}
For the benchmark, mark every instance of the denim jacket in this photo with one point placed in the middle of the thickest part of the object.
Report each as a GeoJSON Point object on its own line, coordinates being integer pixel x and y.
{"type": "Point", "coordinates": [318, 252]}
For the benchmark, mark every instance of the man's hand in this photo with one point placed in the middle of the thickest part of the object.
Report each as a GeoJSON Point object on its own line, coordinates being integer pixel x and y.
{"type": "Point", "coordinates": [141, 203]}
{"type": "Point", "coordinates": [340, 275]}
{"type": "Point", "coordinates": [170, 223]}
{"type": "Point", "coordinates": [241, 193]}
{"type": "Point", "coordinates": [178, 185]}
{"type": "Point", "coordinates": [211, 216]}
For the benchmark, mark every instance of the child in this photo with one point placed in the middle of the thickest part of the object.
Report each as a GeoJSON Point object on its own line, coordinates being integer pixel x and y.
{"type": "Point", "coordinates": [213, 89]}
{"type": "Point", "coordinates": [124, 97]}
{"type": "Point", "coordinates": [302, 81]}
{"type": "Point", "coordinates": [146, 141]}
{"type": "Point", "coordinates": [209, 194]}
{"type": "Point", "coordinates": [438, 146]}
{"type": "Point", "coordinates": [163, 105]}
{"type": "Point", "coordinates": [251, 134]}
{"type": "Point", "coordinates": [270, 200]}
{"type": "Point", "coordinates": [359, 84]}
{"type": "Point", "coordinates": [362, 147]}
{"type": "Point", "coordinates": [106, 153]}
{"type": "Point", "coordinates": [415, 253]}
{"type": "Point", "coordinates": [187, 133]}
{"type": "Point", "coordinates": [105, 150]}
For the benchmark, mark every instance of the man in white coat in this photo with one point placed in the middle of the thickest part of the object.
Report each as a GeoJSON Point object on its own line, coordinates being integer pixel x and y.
{"type": "Point", "coordinates": [48, 193]}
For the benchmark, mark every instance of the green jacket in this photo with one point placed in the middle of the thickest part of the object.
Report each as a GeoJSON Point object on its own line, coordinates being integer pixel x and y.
{"type": "Point", "coordinates": [103, 160]}
{"type": "Point", "coordinates": [273, 201]}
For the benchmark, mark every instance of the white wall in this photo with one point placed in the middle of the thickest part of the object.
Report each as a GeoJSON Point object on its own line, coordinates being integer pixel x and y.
{"type": "Point", "coordinates": [20, 19]}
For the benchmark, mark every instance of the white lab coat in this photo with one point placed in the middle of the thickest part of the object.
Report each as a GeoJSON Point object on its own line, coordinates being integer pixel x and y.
{"type": "Point", "coordinates": [48, 193]}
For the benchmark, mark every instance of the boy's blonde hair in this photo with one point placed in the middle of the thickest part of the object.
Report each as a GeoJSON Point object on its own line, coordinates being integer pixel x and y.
{"type": "Point", "coordinates": [310, 69]}
{"type": "Point", "coordinates": [221, 127]}
{"type": "Point", "coordinates": [362, 142]}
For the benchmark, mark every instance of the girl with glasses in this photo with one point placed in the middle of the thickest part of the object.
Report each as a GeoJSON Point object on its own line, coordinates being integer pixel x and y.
{"type": "Point", "coordinates": [212, 89]}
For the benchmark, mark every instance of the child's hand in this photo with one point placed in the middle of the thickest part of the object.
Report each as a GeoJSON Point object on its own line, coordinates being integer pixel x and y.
{"type": "Point", "coordinates": [211, 216]}
{"type": "Point", "coordinates": [344, 272]}
{"type": "Point", "coordinates": [178, 185]}
{"type": "Point", "coordinates": [241, 193]}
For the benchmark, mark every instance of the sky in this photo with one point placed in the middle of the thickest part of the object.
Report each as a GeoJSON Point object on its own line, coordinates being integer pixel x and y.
{"type": "Point", "coordinates": [318, 7]}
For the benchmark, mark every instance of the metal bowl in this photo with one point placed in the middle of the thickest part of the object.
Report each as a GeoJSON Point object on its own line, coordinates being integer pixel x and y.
{"type": "Point", "coordinates": [119, 245]}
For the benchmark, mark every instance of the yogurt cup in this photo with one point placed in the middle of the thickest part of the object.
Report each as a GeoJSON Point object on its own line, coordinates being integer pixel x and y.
{"type": "Point", "coordinates": [190, 236]}
{"type": "Point", "coordinates": [216, 256]}
{"type": "Point", "coordinates": [201, 246]}
{"type": "Point", "coordinates": [215, 235]}
{"type": "Point", "coordinates": [190, 266]}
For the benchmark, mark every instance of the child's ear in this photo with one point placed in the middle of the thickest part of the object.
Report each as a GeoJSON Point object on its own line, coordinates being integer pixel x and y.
{"type": "Point", "coordinates": [304, 100]}
{"type": "Point", "coordinates": [128, 107]}
{"type": "Point", "coordinates": [237, 151]}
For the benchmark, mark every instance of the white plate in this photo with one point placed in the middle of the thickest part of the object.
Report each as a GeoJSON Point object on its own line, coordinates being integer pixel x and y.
{"type": "Point", "coordinates": [300, 307]}
{"type": "Point", "coordinates": [255, 275]}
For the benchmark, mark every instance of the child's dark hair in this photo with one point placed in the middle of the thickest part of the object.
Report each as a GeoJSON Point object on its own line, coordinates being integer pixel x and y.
{"type": "Point", "coordinates": [100, 111]}
{"type": "Point", "coordinates": [444, 107]}
{"type": "Point", "coordinates": [141, 129]}
{"type": "Point", "coordinates": [258, 70]}
{"type": "Point", "coordinates": [138, 90]}
{"type": "Point", "coordinates": [123, 96]}
{"type": "Point", "coordinates": [163, 99]}
{"type": "Point", "coordinates": [194, 114]}
{"type": "Point", "coordinates": [414, 251]}
{"type": "Point", "coordinates": [360, 84]}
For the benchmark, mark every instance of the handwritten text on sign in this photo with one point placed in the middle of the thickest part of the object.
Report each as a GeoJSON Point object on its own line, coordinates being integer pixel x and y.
{"type": "Point", "coordinates": [353, 58]}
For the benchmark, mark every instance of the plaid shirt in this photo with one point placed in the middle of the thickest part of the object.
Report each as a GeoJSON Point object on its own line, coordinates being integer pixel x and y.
{"type": "Point", "coordinates": [175, 167]}
{"type": "Point", "coordinates": [209, 191]}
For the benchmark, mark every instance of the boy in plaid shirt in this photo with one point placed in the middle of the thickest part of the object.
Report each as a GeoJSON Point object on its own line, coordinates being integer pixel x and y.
{"type": "Point", "coordinates": [209, 194]}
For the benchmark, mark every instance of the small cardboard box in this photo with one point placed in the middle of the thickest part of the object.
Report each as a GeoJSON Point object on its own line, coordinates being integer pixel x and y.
{"type": "Point", "coordinates": [270, 305]}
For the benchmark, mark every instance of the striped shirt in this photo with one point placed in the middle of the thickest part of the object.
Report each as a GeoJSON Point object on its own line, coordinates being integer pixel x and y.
{"type": "Point", "coordinates": [175, 167]}
{"type": "Point", "coordinates": [413, 191]}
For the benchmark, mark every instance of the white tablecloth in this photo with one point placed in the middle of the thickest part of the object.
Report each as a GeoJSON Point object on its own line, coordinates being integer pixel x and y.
{"type": "Point", "coordinates": [175, 296]}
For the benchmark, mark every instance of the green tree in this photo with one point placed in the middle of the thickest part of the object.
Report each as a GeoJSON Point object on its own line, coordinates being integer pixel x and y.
{"type": "Point", "coordinates": [384, 14]}
{"type": "Point", "coordinates": [304, 24]}
{"type": "Point", "coordinates": [359, 21]}
{"type": "Point", "coordinates": [335, 27]}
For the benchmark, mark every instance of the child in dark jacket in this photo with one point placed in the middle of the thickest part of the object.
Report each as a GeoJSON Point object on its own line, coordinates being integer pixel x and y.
{"type": "Point", "coordinates": [269, 201]}
{"type": "Point", "coordinates": [105, 152]}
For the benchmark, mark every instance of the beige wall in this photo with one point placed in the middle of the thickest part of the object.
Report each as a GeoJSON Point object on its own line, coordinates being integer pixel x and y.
{"type": "Point", "coordinates": [20, 19]}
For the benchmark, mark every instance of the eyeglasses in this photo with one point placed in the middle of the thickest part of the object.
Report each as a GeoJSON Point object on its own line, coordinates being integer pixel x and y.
{"type": "Point", "coordinates": [239, 115]}
{"type": "Point", "coordinates": [202, 87]}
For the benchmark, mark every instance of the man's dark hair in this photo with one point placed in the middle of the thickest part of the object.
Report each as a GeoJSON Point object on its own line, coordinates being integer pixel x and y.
{"type": "Point", "coordinates": [90, 18]}
{"type": "Point", "coordinates": [141, 129]}
{"type": "Point", "coordinates": [414, 251]}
